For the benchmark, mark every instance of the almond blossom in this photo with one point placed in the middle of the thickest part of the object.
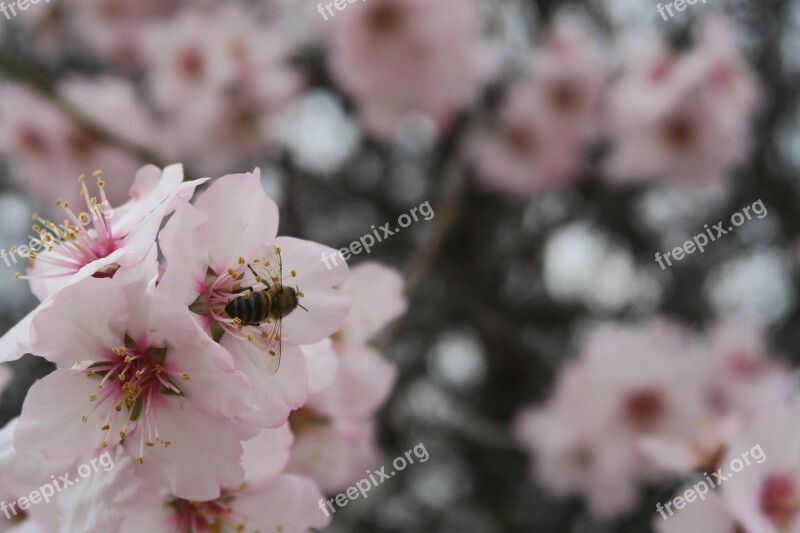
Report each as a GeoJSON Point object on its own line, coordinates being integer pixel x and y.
{"type": "Point", "coordinates": [225, 245]}
{"type": "Point", "coordinates": [549, 116]}
{"type": "Point", "coordinates": [219, 76]}
{"type": "Point", "coordinates": [97, 241]}
{"type": "Point", "coordinates": [134, 372]}
{"type": "Point", "coordinates": [683, 119]}
{"type": "Point", "coordinates": [50, 148]}
{"type": "Point", "coordinates": [396, 56]}
{"type": "Point", "coordinates": [267, 501]}
{"type": "Point", "coordinates": [628, 384]}
{"type": "Point", "coordinates": [335, 433]}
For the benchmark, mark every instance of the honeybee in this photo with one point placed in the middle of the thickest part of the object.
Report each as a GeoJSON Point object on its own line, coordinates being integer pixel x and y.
{"type": "Point", "coordinates": [268, 306]}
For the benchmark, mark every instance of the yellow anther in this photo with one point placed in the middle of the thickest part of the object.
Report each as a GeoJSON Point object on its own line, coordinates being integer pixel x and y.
{"type": "Point", "coordinates": [185, 376]}
{"type": "Point", "coordinates": [122, 376]}
{"type": "Point", "coordinates": [242, 261]}
{"type": "Point", "coordinates": [140, 460]}
{"type": "Point", "coordinates": [84, 419]}
{"type": "Point", "coordinates": [159, 369]}
{"type": "Point", "coordinates": [81, 178]}
{"type": "Point", "coordinates": [101, 183]}
{"type": "Point", "coordinates": [122, 435]}
{"type": "Point", "coordinates": [250, 338]}
{"type": "Point", "coordinates": [106, 427]}
{"type": "Point", "coordinates": [93, 398]}
{"type": "Point", "coordinates": [166, 444]}
{"type": "Point", "coordinates": [97, 173]}
{"type": "Point", "coordinates": [149, 444]}
{"type": "Point", "coordinates": [17, 275]}
{"type": "Point", "coordinates": [231, 273]}
{"type": "Point", "coordinates": [294, 273]}
{"type": "Point", "coordinates": [104, 445]}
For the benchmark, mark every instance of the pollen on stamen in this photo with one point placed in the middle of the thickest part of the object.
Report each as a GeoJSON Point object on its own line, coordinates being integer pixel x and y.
{"type": "Point", "coordinates": [104, 445]}
{"type": "Point", "coordinates": [140, 460]}
{"type": "Point", "coordinates": [294, 273]}
{"type": "Point", "coordinates": [242, 261]}
{"type": "Point", "coordinates": [105, 428]}
{"type": "Point", "coordinates": [16, 275]}
{"type": "Point", "coordinates": [84, 419]}
{"type": "Point", "coordinates": [122, 435]}
{"type": "Point", "coordinates": [167, 444]}
{"type": "Point", "coordinates": [185, 376]}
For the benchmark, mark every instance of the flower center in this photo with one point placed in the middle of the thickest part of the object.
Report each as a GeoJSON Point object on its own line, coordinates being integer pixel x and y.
{"type": "Point", "coordinates": [679, 132]}
{"type": "Point", "coordinates": [79, 240]}
{"type": "Point", "coordinates": [215, 516]}
{"type": "Point", "coordinates": [386, 19]}
{"type": "Point", "coordinates": [779, 499]}
{"type": "Point", "coordinates": [645, 408]}
{"type": "Point", "coordinates": [133, 380]}
{"type": "Point", "coordinates": [243, 281]}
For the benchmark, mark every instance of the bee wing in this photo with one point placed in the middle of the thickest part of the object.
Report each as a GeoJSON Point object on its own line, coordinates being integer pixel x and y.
{"type": "Point", "coordinates": [272, 336]}
{"type": "Point", "coordinates": [273, 266]}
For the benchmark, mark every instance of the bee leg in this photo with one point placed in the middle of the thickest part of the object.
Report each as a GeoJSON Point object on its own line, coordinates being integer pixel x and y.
{"type": "Point", "coordinates": [258, 278]}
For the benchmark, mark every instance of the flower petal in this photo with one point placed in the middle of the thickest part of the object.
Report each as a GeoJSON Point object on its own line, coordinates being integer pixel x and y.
{"type": "Point", "coordinates": [241, 218]}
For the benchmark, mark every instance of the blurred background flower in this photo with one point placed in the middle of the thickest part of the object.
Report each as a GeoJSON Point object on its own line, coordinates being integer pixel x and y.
{"type": "Point", "coordinates": [560, 379]}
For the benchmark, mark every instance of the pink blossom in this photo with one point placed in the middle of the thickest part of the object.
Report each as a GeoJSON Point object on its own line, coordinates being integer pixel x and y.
{"type": "Point", "coordinates": [333, 452]}
{"type": "Point", "coordinates": [395, 56]}
{"type": "Point", "coordinates": [743, 377]}
{"type": "Point", "coordinates": [219, 77]}
{"type": "Point", "coordinates": [629, 383]}
{"type": "Point", "coordinates": [336, 425]}
{"type": "Point", "coordinates": [763, 496]}
{"type": "Point", "coordinates": [210, 249]}
{"type": "Point", "coordinates": [685, 118]}
{"type": "Point", "coordinates": [96, 242]}
{"type": "Point", "coordinates": [135, 372]}
{"type": "Point", "coordinates": [549, 116]}
{"type": "Point", "coordinates": [51, 149]}
{"type": "Point", "coordinates": [268, 501]}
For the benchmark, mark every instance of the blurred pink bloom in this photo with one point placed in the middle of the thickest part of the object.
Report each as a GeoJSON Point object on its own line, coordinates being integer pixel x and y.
{"type": "Point", "coordinates": [709, 516]}
{"type": "Point", "coordinates": [333, 452]}
{"type": "Point", "coordinates": [135, 372]}
{"type": "Point", "coordinates": [112, 29]}
{"type": "Point", "coordinates": [549, 117]}
{"type": "Point", "coordinates": [220, 77]}
{"type": "Point", "coordinates": [743, 378]}
{"type": "Point", "coordinates": [629, 383]}
{"type": "Point", "coordinates": [51, 150]}
{"type": "Point", "coordinates": [338, 419]}
{"type": "Point", "coordinates": [208, 247]}
{"type": "Point", "coordinates": [397, 56]}
{"type": "Point", "coordinates": [682, 119]}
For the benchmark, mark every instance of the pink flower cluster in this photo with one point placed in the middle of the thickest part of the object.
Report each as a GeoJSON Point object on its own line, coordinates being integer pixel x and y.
{"type": "Point", "coordinates": [650, 404]}
{"type": "Point", "coordinates": [191, 401]}
{"type": "Point", "coordinates": [681, 118]}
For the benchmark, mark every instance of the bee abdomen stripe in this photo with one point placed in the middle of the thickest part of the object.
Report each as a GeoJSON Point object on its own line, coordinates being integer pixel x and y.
{"type": "Point", "coordinates": [256, 307]}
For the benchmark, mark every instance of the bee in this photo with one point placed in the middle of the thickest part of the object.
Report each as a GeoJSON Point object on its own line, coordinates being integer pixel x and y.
{"type": "Point", "coordinates": [268, 306]}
